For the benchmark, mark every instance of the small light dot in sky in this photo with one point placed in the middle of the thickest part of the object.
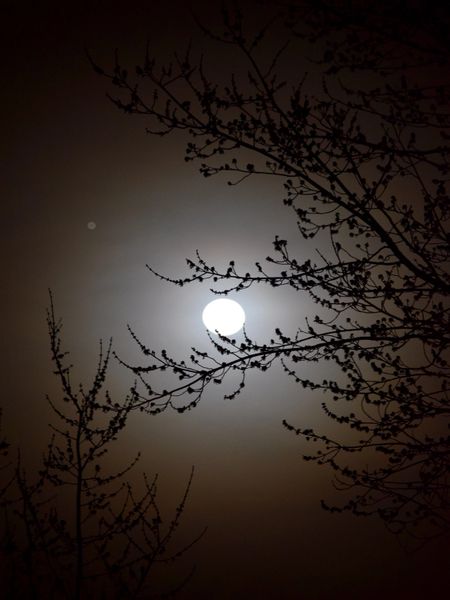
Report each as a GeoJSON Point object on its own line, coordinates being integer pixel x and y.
{"type": "Point", "coordinates": [91, 225]}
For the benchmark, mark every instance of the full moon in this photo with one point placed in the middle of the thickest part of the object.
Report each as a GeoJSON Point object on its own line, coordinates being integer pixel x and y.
{"type": "Point", "coordinates": [223, 315]}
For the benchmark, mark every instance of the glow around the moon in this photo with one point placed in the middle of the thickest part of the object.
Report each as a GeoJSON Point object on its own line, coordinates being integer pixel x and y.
{"type": "Point", "coordinates": [223, 315]}
{"type": "Point", "coordinates": [91, 225]}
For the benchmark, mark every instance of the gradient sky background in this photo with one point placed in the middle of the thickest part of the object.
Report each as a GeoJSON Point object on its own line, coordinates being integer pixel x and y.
{"type": "Point", "coordinates": [69, 157]}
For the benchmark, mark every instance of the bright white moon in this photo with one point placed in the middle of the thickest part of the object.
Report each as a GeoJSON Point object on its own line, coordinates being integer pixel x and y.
{"type": "Point", "coordinates": [224, 315]}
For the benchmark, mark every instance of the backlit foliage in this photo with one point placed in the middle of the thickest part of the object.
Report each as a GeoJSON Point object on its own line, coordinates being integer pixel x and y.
{"type": "Point", "coordinates": [363, 161]}
{"type": "Point", "coordinates": [78, 529]}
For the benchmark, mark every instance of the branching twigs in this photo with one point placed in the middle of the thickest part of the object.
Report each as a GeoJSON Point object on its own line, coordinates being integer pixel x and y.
{"type": "Point", "coordinates": [366, 165]}
{"type": "Point", "coordinates": [79, 526]}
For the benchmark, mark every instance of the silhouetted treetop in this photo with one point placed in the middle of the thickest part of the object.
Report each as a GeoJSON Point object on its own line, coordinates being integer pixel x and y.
{"type": "Point", "coordinates": [78, 528]}
{"type": "Point", "coordinates": [363, 163]}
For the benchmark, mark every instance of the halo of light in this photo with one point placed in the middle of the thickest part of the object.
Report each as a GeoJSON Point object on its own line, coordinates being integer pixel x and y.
{"type": "Point", "coordinates": [91, 225]}
{"type": "Point", "coordinates": [223, 315]}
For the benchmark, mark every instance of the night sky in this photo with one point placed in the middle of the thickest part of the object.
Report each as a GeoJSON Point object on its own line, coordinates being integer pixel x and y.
{"type": "Point", "coordinates": [69, 157]}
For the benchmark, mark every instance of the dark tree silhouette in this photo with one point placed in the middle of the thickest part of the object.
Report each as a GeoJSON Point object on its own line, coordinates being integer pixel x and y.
{"type": "Point", "coordinates": [79, 529]}
{"type": "Point", "coordinates": [364, 162]}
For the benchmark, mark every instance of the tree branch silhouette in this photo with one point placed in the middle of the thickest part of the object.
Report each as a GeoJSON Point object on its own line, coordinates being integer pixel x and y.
{"type": "Point", "coordinates": [364, 164]}
{"type": "Point", "coordinates": [80, 529]}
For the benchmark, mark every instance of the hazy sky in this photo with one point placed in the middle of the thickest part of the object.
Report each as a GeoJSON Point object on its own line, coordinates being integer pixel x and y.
{"type": "Point", "coordinates": [70, 158]}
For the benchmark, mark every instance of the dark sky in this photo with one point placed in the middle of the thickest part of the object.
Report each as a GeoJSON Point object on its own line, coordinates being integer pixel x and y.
{"type": "Point", "coordinates": [68, 158]}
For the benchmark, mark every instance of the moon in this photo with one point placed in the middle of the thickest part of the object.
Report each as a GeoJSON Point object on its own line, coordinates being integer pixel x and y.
{"type": "Point", "coordinates": [223, 315]}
